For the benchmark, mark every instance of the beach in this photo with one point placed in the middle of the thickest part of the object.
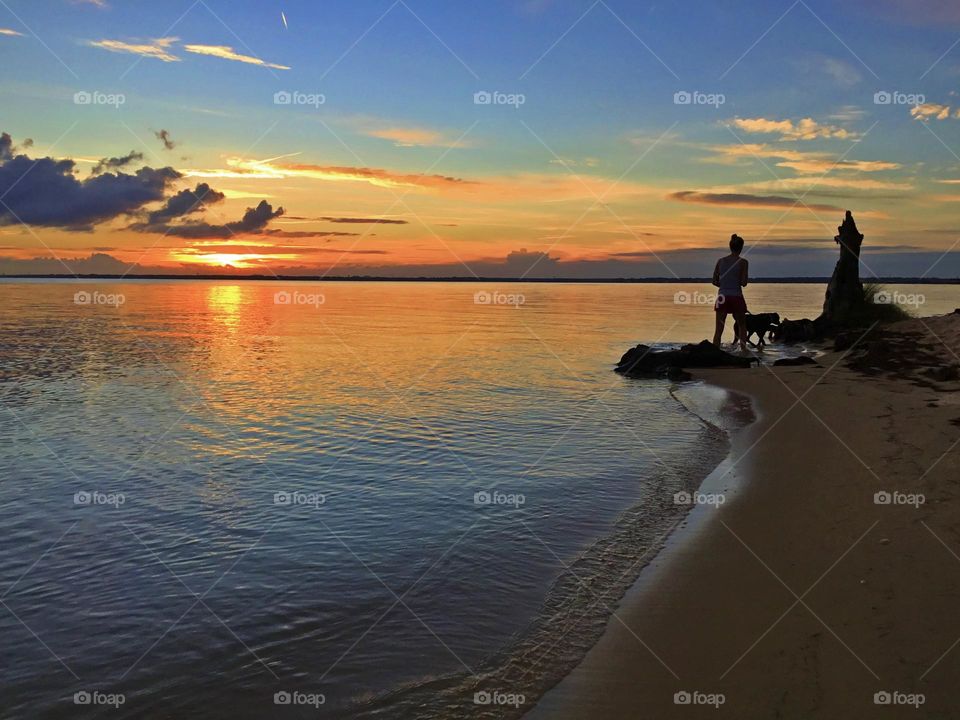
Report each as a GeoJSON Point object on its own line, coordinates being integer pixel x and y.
{"type": "Point", "coordinates": [806, 593]}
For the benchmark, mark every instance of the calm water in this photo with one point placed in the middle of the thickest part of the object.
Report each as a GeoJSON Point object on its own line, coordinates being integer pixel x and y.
{"type": "Point", "coordinates": [208, 497]}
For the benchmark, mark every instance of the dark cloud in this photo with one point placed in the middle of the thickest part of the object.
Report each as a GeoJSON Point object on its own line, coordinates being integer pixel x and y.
{"type": "Point", "coordinates": [46, 192]}
{"type": "Point", "coordinates": [255, 220]}
{"type": "Point", "coordinates": [117, 162]}
{"type": "Point", "coordinates": [309, 234]}
{"type": "Point", "coordinates": [349, 220]}
{"type": "Point", "coordinates": [8, 149]}
{"type": "Point", "coordinates": [368, 221]}
{"type": "Point", "coordinates": [183, 203]}
{"type": "Point", "coordinates": [521, 262]}
{"type": "Point", "coordinates": [259, 248]}
{"type": "Point", "coordinates": [164, 137]}
{"type": "Point", "coordinates": [745, 200]}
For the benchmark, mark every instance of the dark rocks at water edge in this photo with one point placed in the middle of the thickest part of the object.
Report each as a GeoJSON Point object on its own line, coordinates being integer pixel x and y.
{"type": "Point", "coordinates": [644, 361]}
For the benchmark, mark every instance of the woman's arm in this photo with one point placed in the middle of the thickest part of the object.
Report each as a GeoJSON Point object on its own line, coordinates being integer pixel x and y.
{"type": "Point", "coordinates": [744, 272]}
{"type": "Point", "coordinates": [716, 274]}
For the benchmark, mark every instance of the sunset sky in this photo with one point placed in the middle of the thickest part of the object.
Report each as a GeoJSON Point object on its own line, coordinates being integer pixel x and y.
{"type": "Point", "coordinates": [122, 115]}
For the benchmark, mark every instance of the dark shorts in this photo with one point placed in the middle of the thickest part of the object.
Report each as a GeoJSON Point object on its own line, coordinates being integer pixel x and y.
{"type": "Point", "coordinates": [731, 305]}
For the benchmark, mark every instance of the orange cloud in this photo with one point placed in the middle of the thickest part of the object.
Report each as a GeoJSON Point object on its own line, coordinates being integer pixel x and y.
{"type": "Point", "coordinates": [841, 183]}
{"type": "Point", "coordinates": [800, 161]}
{"type": "Point", "coordinates": [12, 33]}
{"type": "Point", "coordinates": [804, 129]}
{"type": "Point", "coordinates": [415, 137]}
{"type": "Point", "coordinates": [745, 200]}
{"type": "Point", "coordinates": [228, 53]}
{"type": "Point", "coordinates": [524, 187]}
{"type": "Point", "coordinates": [159, 49]}
{"type": "Point", "coordinates": [926, 111]}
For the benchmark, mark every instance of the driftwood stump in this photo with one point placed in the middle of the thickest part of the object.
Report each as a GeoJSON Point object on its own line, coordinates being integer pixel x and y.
{"type": "Point", "coordinates": [845, 291]}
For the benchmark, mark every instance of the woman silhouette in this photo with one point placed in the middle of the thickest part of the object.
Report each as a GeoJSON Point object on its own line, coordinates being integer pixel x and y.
{"type": "Point", "coordinates": [731, 275]}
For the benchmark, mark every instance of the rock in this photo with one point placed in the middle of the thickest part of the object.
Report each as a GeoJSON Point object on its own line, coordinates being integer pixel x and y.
{"type": "Point", "coordinates": [943, 373]}
{"type": "Point", "coordinates": [794, 361]}
{"type": "Point", "coordinates": [643, 361]}
{"type": "Point", "coordinates": [844, 341]}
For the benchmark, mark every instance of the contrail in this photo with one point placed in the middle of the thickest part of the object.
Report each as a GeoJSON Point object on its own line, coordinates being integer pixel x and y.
{"type": "Point", "coordinates": [283, 16]}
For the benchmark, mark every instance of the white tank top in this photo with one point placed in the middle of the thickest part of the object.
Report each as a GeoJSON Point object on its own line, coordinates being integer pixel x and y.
{"type": "Point", "coordinates": [730, 276]}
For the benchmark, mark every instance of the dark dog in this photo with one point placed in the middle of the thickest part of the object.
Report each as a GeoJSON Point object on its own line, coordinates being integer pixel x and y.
{"type": "Point", "coordinates": [794, 331]}
{"type": "Point", "coordinates": [760, 325]}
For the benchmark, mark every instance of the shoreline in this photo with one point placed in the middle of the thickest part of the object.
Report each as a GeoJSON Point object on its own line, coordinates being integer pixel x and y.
{"type": "Point", "coordinates": [584, 597]}
{"type": "Point", "coordinates": [802, 597]}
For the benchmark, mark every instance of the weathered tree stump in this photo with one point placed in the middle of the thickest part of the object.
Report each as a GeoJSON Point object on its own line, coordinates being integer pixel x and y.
{"type": "Point", "coordinates": [845, 291]}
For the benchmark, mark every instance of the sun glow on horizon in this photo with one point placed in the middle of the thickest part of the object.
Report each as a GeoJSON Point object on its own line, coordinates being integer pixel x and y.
{"type": "Point", "coordinates": [243, 261]}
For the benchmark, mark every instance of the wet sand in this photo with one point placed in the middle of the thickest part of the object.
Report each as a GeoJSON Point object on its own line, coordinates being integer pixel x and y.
{"type": "Point", "coordinates": [802, 595]}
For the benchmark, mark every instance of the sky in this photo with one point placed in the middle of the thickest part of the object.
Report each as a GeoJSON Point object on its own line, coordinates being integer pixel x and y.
{"type": "Point", "coordinates": [521, 138]}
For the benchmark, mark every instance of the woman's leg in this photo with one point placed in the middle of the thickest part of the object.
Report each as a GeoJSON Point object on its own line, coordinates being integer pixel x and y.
{"type": "Point", "coordinates": [742, 326]}
{"type": "Point", "coordinates": [718, 334]}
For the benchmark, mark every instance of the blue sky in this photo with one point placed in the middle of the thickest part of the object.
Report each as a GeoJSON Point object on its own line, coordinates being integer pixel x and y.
{"type": "Point", "coordinates": [598, 164]}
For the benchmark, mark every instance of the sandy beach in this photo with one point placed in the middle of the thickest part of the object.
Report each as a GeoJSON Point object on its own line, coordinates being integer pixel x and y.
{"type": "Point", "coordinates": [806, 594]}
